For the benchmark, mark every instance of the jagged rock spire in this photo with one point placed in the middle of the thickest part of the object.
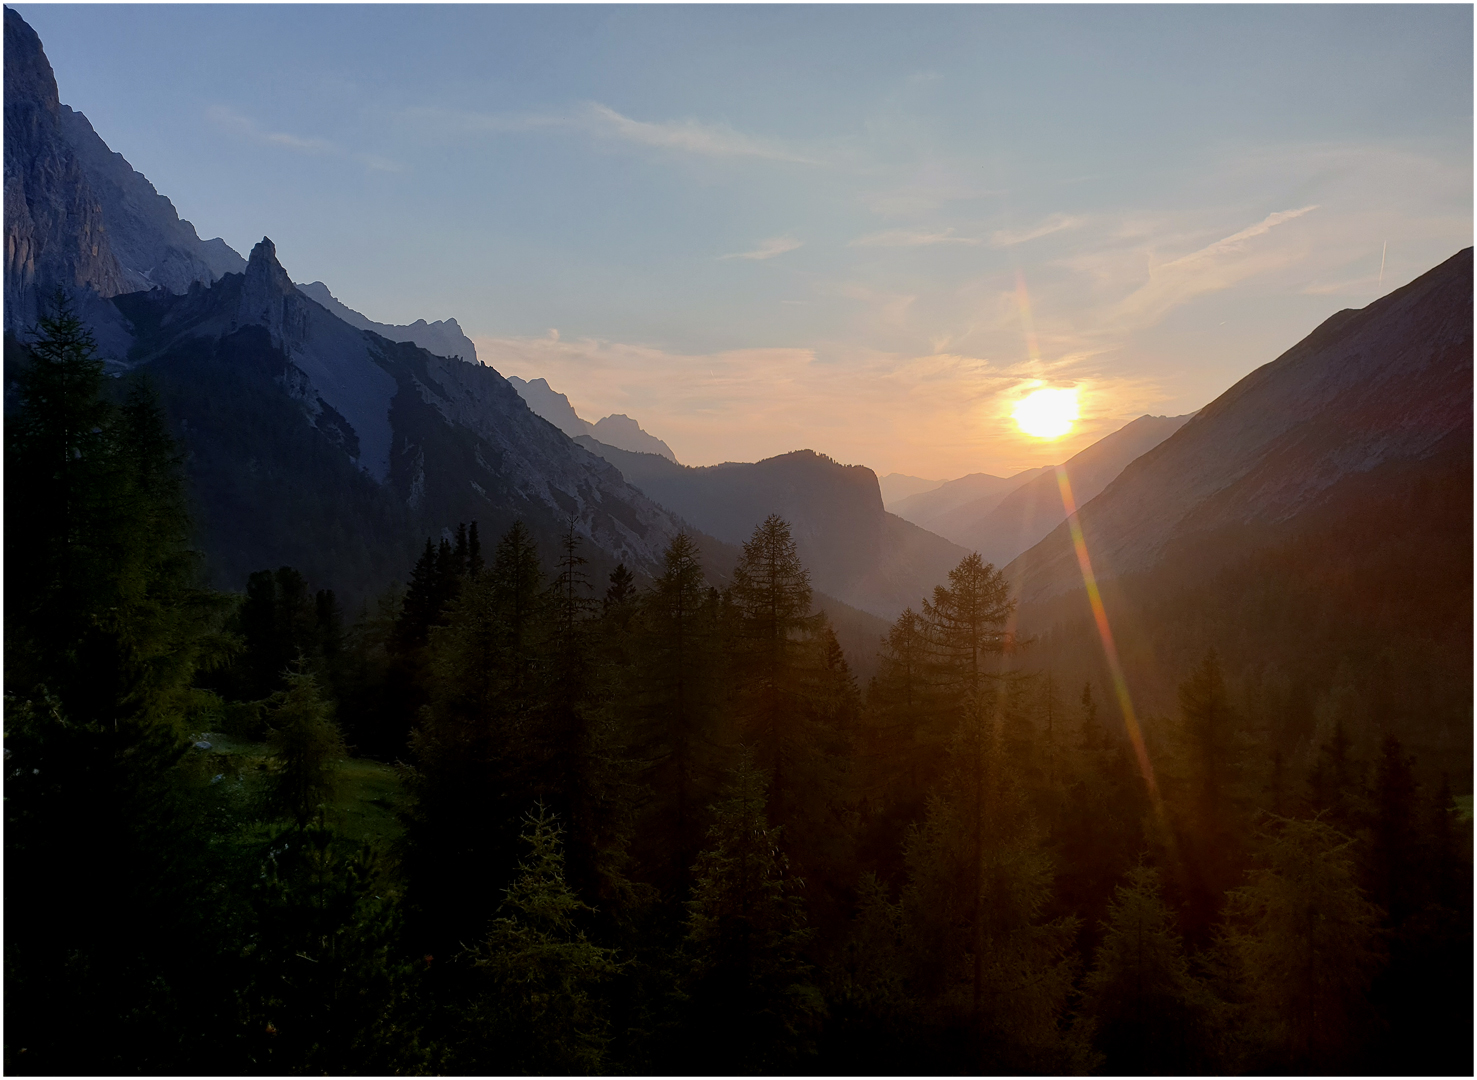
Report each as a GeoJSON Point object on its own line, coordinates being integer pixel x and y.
{"type": "Point", "coordinates": [269, 298]}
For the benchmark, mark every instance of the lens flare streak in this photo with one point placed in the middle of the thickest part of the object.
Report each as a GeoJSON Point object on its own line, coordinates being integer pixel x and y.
{"type": "Point", "coordinates": [1110, 650]}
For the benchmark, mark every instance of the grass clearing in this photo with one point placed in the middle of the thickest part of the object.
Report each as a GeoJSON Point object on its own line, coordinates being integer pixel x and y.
{"type": "Point", "coordinates": [366, 804]}
{"type": "Point", "coordinates": [1464, 808]}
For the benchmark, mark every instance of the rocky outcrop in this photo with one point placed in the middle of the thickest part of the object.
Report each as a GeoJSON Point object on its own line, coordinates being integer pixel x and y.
{"type": "Point", "coordinates": [55, 232]}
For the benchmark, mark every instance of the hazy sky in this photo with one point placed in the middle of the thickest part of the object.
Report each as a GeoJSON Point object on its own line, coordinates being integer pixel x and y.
{"type": "Point", "coordinates": [863, 230]}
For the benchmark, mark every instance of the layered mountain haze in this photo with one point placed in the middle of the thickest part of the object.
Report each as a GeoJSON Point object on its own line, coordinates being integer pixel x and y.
{"type": "Point", "coordinates": [1388, 383]}
{"type": "Point", "coordinates": [314, 436]}
{"type": "Point", "coordinates": [1001, 528]}
{"type": "Point", "coordinates": [932, 509]}
{"type": "Point", "coordinates": [617, 430]}
{"type": "Point", "coordinates": [856, 550]}
{"type": "Point", "coordinates": [898, 486]}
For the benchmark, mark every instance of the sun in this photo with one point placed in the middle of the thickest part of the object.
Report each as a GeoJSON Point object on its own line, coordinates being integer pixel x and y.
{"type": "Point", "coordinates": [1047, 413]}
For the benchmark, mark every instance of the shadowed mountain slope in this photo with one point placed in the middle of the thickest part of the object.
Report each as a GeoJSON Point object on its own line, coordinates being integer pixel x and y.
{"type": "Point", "coordinates": [1388, 383]}
{"type": "Point", "coordinates": [301, 427]}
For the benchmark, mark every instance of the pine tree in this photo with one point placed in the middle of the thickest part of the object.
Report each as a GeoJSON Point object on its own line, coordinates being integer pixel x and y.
{"type": "Point", "coordinates": [1394, 854]}
{"type": "Point", "coordinates": [106, 626]}
{"type": "Point", "coordinates": [983, 957]}
{"type": "Point", "coordinates": [966, 623]}
{"type": "Point", "coordinates": [479, 759]}
{"type": "Point", "coordinates": [902, 742]}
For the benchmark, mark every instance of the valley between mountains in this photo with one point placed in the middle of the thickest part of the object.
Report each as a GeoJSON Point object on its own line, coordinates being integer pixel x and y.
{"type": "Point", "coordinates": [329, 646]}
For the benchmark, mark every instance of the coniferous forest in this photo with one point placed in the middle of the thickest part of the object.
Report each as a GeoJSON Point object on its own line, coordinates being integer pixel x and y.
{"type": "Point", "coordinates": [654, 825]}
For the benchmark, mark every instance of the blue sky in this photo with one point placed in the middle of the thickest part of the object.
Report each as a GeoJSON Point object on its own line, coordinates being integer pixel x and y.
{"type": "Point", "coordinates": [864, 230]}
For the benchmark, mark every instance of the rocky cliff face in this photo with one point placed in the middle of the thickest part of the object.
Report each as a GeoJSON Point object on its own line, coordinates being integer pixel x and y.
{"type": "Point", "coordinates": [55, 235]}
{"type": "Point", "coordinates": [77, 216]}
{"type": "Point", "coordinates": [155, 248]}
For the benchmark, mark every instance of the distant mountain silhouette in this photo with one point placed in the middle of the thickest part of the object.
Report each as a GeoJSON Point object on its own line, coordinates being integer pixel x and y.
{"type": "Point", "coordinates": [857, 551]}
{"type": "Point", "coordinates": [898, 486]}
{"type": "Point", "coordinates": [617, 430]}
{"type": "Point", "coordinates": [1385, 384]}
{"type": "Point", "coordinates": [443, 337]}
{"type": "Point", "coordinates": [932, 509]}
{"type": "Point", "coordinates": [1001, 528]}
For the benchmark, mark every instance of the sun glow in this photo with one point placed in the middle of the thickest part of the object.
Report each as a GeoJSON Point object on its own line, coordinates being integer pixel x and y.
{"type": "Point", "coordinates": [1046, 413]}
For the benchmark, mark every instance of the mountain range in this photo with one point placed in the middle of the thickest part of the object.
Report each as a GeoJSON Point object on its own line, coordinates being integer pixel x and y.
{"type": "Point", "coordinates": [318, 438]}
{"type": "Point", "coordinates": [313, 436]}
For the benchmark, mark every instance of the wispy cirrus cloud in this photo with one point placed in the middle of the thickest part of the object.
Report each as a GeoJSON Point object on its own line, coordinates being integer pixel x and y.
{"type": "Point", "coordinates": [775, 245]}
{"type": "Point", "coordinates": [1055, 223]}
{"type": "Point", "coordinates": [230, 120]}
{"type": "Point", "coordinates": [1213, 268]}
{"type": "Point", "coordinates": [689, 136]}
{"type": "Point", "coordinates": [893, 238]}
{"type": "Point", "coordinates": [598, 120]}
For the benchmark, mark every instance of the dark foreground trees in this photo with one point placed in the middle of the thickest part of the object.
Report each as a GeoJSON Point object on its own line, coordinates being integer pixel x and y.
{"type": "Point", "coordinates": [654, 825]}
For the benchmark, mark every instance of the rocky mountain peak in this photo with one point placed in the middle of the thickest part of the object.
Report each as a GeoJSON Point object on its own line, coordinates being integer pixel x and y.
{"type": "Point", "coordinates": [266, 294]}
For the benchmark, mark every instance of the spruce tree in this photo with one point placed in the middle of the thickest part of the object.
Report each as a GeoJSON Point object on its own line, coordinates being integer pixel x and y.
{"type": "Point", "coordinates": [535, 1008]}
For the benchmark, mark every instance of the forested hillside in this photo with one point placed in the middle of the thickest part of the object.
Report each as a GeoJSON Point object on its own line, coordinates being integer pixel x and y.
{"type": "Point", "coordinates": [664, 828]}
